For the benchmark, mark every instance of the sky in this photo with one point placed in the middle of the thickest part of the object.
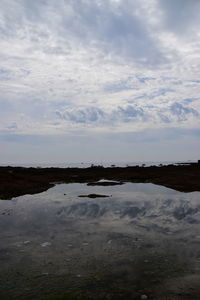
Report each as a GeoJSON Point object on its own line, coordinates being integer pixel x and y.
{"type": "Point", "coordinates": [99, 80]}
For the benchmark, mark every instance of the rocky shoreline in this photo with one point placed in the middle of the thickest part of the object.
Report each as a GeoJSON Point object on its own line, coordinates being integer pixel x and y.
{"type": "Point", "coordinates": [17, 181]}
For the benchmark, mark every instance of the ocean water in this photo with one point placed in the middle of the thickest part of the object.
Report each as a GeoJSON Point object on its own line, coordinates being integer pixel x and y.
{"type": "Point", "coordinates": [140, 240]}
{"type": "Point", "coordinates": [88, 164]}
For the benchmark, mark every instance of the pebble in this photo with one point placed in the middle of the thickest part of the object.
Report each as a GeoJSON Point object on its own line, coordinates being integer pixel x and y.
{"type": "Point", "coordinates": [144, 297]}
{"type": "Point", "coordinates": [45, 244]}
{"type": "Point", "coordinates": [26, 242]}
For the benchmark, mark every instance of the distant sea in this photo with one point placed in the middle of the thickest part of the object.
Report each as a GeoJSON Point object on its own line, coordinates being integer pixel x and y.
{"type": "Point", "coordinates": [88, 164]}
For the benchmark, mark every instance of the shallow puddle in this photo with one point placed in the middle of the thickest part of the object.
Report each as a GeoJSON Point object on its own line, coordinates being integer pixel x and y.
{"type": "Point", "coordinates": [141, 241]}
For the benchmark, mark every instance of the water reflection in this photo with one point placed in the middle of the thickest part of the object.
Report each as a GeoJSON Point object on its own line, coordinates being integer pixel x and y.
{"type": "Point", "coordinates": [141, 240]}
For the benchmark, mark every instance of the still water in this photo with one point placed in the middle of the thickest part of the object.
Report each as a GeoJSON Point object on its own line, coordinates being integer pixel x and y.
{"type": "Point", "coordinates": [143, 240]}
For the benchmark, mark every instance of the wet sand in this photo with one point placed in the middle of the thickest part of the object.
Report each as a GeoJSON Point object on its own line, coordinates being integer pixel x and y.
{"type": "Point", "coordinates": [17, 181]}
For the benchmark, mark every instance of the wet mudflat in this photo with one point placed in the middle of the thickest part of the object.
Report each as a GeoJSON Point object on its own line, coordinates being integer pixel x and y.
{"type": "Point", "coordinates": [140, 242]}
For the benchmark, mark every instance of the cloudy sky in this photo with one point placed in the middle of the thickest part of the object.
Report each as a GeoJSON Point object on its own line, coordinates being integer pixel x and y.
{"type": "Point", "coordinates": [99, 80]}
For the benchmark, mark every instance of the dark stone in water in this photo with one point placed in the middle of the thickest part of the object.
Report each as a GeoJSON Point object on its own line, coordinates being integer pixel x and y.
{"type": "Point", "coordinates": [105, 183]}
{"type": "Point", "coordinates": [94, 196]}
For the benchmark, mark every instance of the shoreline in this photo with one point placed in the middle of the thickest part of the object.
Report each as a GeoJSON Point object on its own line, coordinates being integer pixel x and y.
{"type": "Point", "coordinates": [18, 181]}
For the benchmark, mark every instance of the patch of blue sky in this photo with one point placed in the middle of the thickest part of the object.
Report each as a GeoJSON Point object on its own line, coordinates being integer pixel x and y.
{"type": "Point", "coordinates": [190, 100]}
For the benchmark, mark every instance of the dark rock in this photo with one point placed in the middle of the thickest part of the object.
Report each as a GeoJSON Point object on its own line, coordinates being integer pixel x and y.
{"type": "Point", "coordinates": [105, 183]}
{"type": "Point", "coordinates": [94, 196]}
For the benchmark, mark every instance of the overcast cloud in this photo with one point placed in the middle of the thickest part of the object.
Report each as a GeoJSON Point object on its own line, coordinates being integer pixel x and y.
{"type": "Point", "coordinates": [83, 70]}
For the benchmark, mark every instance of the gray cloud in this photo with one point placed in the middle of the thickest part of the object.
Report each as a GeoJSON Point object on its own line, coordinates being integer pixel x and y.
{"type": "Point", "coordinates": [180, 15]}
{"type": "Point", "coordinates": [128, 113]}
{"type": "Point", "coordinates": [117, 28]}
{"type": "Point", "coordinates": [177, 109]}
{"type": "Point", "coordinates": [87, 115]}
{"type": "Point", "coordinates": [96, 115]}
{"type": "Point", "coordinates": [110, 27]}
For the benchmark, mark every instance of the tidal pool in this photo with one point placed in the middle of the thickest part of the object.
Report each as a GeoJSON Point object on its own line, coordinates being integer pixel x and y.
{"type": "Point", "coordinates": [141, 241]}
